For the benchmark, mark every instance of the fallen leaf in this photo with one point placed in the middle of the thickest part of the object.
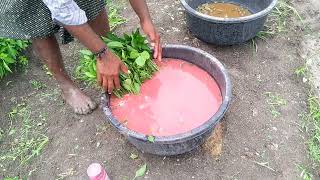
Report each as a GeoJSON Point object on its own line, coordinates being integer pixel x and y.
{"type": "Point", "coordinates": [141, 172]}
{"type": "Point", "coordinates": [133, 156]}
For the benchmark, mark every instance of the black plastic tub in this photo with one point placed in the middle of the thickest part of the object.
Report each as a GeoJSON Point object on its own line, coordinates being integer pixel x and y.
{"type": "Point", "coordinates": [181, 143]}
{"type": "Point", "coordinates": [227, 31]}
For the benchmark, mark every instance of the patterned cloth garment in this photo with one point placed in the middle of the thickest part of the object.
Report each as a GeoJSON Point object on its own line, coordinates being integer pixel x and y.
{"type": "Point", "coordinates": [66, 12]}
{"type": "Point", "coordinates": [29, 19]}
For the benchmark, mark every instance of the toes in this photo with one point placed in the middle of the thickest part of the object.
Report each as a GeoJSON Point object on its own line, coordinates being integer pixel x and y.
{"type": "Point", "coordinates": [86, 110]}
{"type": "Point", "coordinates": [81, 103]}
{"type": "Point", "coordinates": [78, 110]}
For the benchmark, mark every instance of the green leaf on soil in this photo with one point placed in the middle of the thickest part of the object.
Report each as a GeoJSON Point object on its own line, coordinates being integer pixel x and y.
{"type": "Point", "coordinates": [141, 172]}
{"type": "Point", "coordinates": [133, 156]}
{"type": "Point", "coordinates": [12, 131]}
{"type": "Point", "coordinates": [11, 178]}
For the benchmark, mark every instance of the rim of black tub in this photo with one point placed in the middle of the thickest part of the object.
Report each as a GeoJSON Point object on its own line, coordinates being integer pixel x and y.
{"type": "Point", "coordinates": [105, 103]}
{"type": "Point", "coordinates": [229, 20]}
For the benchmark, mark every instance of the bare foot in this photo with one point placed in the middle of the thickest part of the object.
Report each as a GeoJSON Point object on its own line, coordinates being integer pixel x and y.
{"type": "Point", "coordinates": [81, 103]}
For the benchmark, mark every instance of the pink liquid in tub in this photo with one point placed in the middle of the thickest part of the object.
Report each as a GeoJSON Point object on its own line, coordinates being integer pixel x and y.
{"type": "Point", "coordinates": [178, 98]}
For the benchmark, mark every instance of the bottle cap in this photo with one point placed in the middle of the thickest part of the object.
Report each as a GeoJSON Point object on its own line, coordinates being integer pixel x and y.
{"type": "Point", "coordinates": [96, 172]}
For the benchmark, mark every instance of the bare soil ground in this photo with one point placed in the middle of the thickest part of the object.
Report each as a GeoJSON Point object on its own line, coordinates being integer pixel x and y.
{"type": "Point", "coordinates": [257, 144]}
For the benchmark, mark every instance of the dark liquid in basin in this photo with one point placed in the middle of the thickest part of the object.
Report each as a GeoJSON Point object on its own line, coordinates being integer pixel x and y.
{"type": "Point", "coordinates": [224, 10]}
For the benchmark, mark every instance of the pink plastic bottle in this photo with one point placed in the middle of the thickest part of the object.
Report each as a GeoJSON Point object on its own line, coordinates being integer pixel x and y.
{"type": "Point", "coordinates": [96, 172]}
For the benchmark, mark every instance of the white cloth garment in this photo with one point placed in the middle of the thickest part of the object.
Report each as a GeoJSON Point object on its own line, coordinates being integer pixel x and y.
{"type": "Point", "coordinates": [66, 12]}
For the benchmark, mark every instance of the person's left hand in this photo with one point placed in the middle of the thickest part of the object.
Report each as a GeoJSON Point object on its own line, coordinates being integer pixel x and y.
{"type": "Point", "coordinates": [151, 32]}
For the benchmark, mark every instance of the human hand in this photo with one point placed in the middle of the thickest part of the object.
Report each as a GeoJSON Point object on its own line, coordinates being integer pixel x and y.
{"type": "Point", "coordinates": [108, 68]}
{"type": "Point", "coordinates": [154, 37]}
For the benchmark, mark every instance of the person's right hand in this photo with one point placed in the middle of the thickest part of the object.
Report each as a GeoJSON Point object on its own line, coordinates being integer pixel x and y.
{"type": "Point", "coordinates": [108, 69]}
